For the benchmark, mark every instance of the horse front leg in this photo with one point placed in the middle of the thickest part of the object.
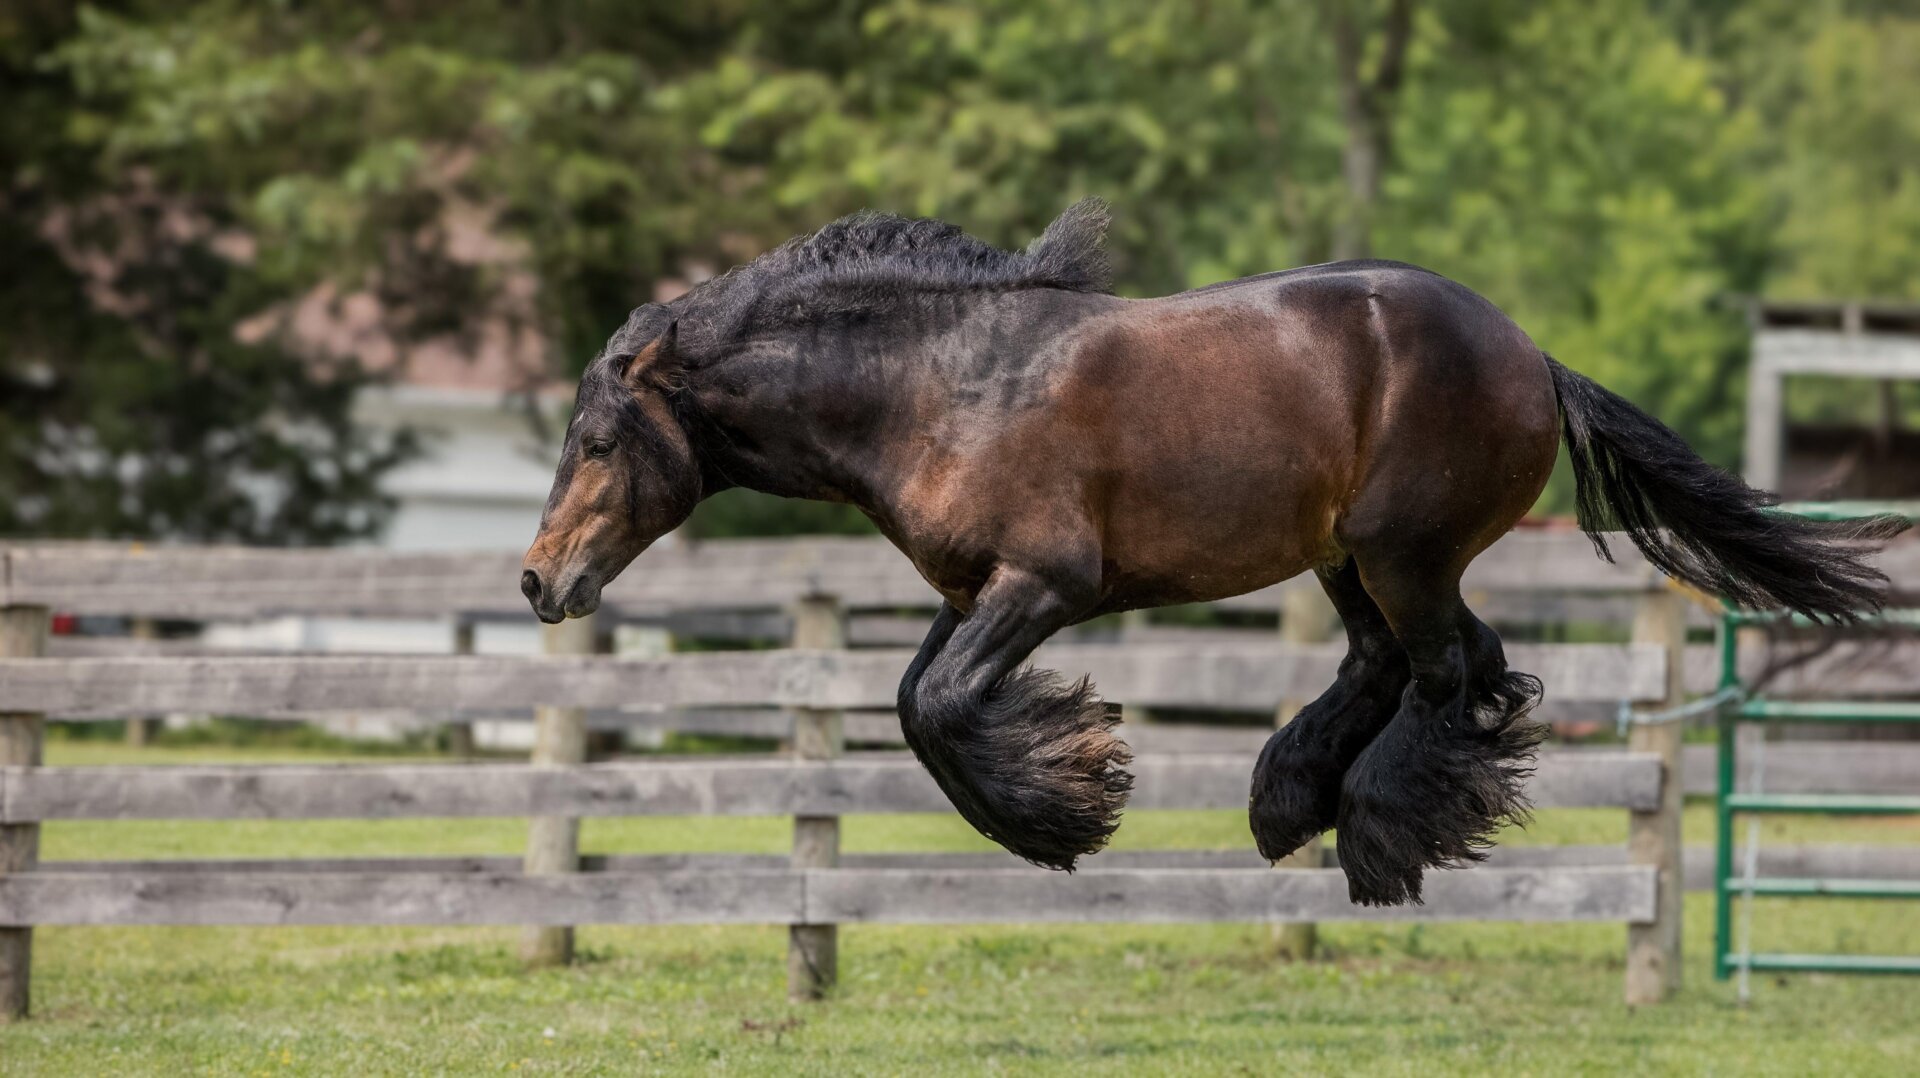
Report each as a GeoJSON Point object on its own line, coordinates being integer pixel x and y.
{"type": "Point", "coordinates": [1029, 760]}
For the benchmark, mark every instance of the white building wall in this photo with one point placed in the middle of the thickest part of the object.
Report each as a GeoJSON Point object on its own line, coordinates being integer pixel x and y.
{"type": "Point", "coordinates": [484, 478]}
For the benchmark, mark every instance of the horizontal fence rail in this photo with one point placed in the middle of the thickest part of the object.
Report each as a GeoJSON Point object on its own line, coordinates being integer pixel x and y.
{"type": "Point", "coordinates": [700, 786]}
{"type": "Point", "coordinates": [199, 582]}
{"type": "Point", "coordinates": [1860, 862]}
{"type": "Point", "coordinates": [1866, 667]}
{"type": "Point", "coordinates": [1244, 676]}
{"type": "Point", "coordinates": [808, 896]}
{"type": "Point", "coordinates": [213, 583]}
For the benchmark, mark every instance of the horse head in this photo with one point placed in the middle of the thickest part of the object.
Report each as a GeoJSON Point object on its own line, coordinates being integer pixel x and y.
{"type": "Point", "coordinates": [627, 473]}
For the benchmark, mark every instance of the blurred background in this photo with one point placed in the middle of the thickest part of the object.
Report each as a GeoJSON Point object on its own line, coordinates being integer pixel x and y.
{"type": "Point", "coordinates": [299, 273]}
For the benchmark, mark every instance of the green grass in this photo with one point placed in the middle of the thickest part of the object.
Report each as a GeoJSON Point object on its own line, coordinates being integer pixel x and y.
{"type": "Point", "coordinates": [1194, 999]}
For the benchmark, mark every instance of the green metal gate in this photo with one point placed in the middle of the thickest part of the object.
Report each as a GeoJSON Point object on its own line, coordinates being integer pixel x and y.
{"type": "Point", "coordinates": [1758, 709]}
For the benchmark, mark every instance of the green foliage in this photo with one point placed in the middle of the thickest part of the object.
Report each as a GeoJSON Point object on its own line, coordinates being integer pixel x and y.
{"type": "Point", "coordinates": [1849, 177]}
{"type": "Point", "coordinates": [1609, 174]}
{"type": "Point", "coordinates": [129, 406]}
{"type": "Point", "coordinates": [1602, 200]}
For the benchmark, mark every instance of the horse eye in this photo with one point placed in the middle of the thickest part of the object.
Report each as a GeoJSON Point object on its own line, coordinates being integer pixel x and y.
{"type": "Point", "coordinates": [599, 449]}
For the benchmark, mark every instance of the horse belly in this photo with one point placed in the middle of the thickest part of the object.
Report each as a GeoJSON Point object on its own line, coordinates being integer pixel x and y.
{"type": "Point", "coordinates": [1195, 534]}
{"type": "Point", "coordinates": [1222, 479]}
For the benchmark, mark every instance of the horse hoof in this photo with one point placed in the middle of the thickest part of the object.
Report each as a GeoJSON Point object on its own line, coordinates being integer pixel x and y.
{"type": "Point", "coordinates": [1295, 797]}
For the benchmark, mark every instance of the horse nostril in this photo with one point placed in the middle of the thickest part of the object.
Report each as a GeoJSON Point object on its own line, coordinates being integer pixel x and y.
{"type": "Point", "coordinates": [530, 585]}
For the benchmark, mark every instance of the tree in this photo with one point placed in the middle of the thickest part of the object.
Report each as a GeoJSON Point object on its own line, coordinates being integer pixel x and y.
{"type": "Point", "coordinates": [1849, 174]}
{"type": "Point", "coordinates": [1584, 170]}
{"type": "Point", "coordinates": [1367, 99]}
{"type": "Point", "coordinates": [1609, 174]}
{"type": "Point", "coordinates": [128, 407]}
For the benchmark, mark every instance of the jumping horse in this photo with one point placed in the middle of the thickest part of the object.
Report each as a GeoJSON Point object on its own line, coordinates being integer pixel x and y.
{"type": "Point", "coordinates": [1047, 452]}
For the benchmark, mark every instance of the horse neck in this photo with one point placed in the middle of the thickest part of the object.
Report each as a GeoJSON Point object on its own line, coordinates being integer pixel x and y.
{"type": "Point", "coordinates": [836, 414]}
{"type": "Point", "coordinates": [801, 417]}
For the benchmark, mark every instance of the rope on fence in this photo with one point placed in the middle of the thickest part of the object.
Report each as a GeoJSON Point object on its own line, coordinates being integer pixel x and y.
{"type": "Point", "coordinates": [1626, 716]}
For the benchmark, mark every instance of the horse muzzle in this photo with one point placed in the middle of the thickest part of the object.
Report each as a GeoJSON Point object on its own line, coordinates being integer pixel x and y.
{"type": "Point", "coordinates": [555, 601]}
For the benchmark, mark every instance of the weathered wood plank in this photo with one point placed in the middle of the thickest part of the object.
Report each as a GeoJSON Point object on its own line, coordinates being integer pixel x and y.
{"type": "Point", "coordinates": [1258, 674]}
{"type": "Point", "coordinates": [1250, 676]}
{"type": "Point", "coordinates": [896, 896]}
{"type": "Point", "coordinates": [1560, 780]}
{"type": "Point", "coordinates": [1824, 351]}
{"type": "Point", "coordinates": [762, 574]}
{"type": "Point", "coordinates": [201, 582]}
{"type": "Point", "coordinates": [236, 685]}
{"type": "Point", "coordinates": [688, 862]}
{"type": "Point", "coordinates": [919, 896]}
{"type": "Point", "coordinates": [23, 633]}
{"type": "Point", "coordinates": [1842, 862]}
{"type": "Point", "coordinates": [1868, 667]}
{"type": "Point", "coordinates": [1850, 862]}
{"type": "Point", "coordinates": [710, 786]}
{"type": "Point", "coordinates": [1812, 767]}
{"type": "Point", "coordinates": [704, 897]}
{"type": "Point", "coordinates": [1863, 668]}
{"type": "Point", "coordinates": [871, 727]}
{"type": "Point", "coordinates": [1795, 767]}
{"type": "Point", "coordinates": [1886, 666]}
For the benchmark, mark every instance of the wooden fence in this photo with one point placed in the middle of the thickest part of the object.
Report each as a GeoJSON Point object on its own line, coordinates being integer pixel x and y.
{"type": "Point", "coordinates": [817, 583]}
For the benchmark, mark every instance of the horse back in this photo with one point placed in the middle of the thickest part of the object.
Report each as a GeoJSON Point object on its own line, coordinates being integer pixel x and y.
{"type": "Point", "coordinates": [1209, 443]}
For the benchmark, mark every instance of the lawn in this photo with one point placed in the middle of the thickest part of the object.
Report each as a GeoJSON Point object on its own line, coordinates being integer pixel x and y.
{"type": "Point", "coordinates": [1201, 999]}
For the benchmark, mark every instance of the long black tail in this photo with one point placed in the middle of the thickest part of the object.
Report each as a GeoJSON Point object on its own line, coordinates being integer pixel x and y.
{"type": "Point", "coordinates": [1702, 525]}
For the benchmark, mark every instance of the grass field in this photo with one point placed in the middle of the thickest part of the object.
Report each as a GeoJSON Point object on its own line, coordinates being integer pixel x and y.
{"type": "Point", "coordinates": [1204, 999]}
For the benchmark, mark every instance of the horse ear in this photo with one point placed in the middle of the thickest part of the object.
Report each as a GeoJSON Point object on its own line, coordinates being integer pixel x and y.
{"type": "Point", "coordinates": [657, 365]}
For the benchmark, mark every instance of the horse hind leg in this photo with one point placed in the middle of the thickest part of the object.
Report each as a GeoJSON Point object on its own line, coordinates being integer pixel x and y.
{"type": "Point", "coordinates": [1296, 783]}
{"type": "Point", "coordinates": [1448, 771]}
{"type": "Point", "coordinates": [1500, 698]}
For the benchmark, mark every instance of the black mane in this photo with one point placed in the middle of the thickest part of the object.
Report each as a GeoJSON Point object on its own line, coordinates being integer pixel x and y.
{"type": "Point", "coordinates": [879, 249]}
{"type": "Point", "coordinates": [870, 263]}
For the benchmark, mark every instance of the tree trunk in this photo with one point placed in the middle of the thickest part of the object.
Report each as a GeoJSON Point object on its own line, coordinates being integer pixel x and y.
{"type": "Point", "coordinates": [1366, 107]}
{"type": "Point", "coordinates": [1360, 168]}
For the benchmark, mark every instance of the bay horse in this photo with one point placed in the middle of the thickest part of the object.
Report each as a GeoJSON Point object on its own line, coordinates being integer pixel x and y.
{"type": "Point", "coordinates": [1047, 452]}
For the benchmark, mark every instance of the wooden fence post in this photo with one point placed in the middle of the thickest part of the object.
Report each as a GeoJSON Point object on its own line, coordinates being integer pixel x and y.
{"type": "Point", "coordinates": [141, 728]}
{"type": "Point", "coordinates": [559, 740]}
{"type": "Point", "coordinates": [23, 634]}
{"type": "Point", "coordinates": [813, 951]}
{"type": "Point", "coordinates": [1306, 617]}
{"type": "Point", "coordinates": [1653, 838]}
{"type": "Point", "coordinates": [1133, 716]}
{"type": "Point", "coordinates": [460, 744]}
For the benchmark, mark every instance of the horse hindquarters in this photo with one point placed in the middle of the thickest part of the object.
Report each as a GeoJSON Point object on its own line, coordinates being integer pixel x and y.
{"type": "Point", "coordinates": [1460, 439]}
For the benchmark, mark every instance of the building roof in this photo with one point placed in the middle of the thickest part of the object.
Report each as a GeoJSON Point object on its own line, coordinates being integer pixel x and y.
{"type": "Point", "coordinates": [1845, 316]}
